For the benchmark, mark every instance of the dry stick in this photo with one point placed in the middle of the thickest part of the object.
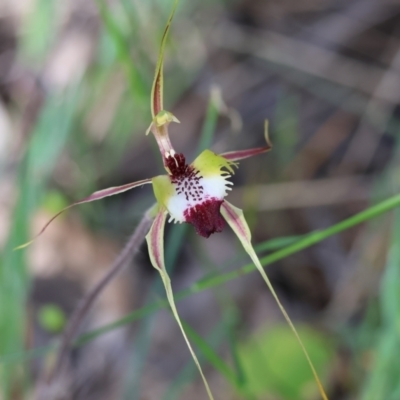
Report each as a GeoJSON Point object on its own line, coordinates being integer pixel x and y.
{"type": "Point", "coordinates": [379, 111]}
{"type": "Point", "coordinates": [80, 313]}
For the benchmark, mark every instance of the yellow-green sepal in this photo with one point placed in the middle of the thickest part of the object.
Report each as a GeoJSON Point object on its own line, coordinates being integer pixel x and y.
{"type": "Point", "coordinates": [155, 243]}
{"type": "Point", "coordinates": [235, 219]}
{"type": "Point", "coordinates": [165, 117]}
{"type": "Point", "coordinates": [163, 190]}
{"type": "Point", "coordinates": [209, 163]}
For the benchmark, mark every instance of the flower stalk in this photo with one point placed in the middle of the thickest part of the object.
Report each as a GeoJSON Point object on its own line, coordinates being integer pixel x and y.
{"type": "Point", "coordinates": [87, 302]}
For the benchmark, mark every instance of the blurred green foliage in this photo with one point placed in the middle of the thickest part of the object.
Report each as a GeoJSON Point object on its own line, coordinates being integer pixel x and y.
{"type": "Point", "coordinates": [274, 363]}
{"type": "Point", "coordinates": [51, 318]}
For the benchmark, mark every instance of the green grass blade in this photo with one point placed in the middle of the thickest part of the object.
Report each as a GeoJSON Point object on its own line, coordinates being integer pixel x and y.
{"type": "Point", "coordinates": [188, 373]}
{"type": "Point", "coordinates": [241, 378]}
{"type": "Point", "coordinates": [121, 45]}
{"type": "Point", "coordinates": [214, 281]}
{"type": "Point", "coordinates": [47, 141]}
{"type": "Point", "coordinates": [308, 241]}
{"type": "Point", "coordinates": [383, 380]}
{"type": "Point", "coordinates": [210, 355]}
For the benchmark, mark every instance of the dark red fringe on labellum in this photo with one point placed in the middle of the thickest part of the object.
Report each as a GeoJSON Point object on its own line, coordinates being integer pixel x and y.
{"type": "Point", "coordinates": [177, 165]}
{"type": "Point", "coordinates": [206, 217]}
{"type": "Point", "coordinates": [185, 177]}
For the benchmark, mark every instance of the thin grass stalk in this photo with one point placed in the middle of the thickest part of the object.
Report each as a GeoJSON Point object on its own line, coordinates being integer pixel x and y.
{"type": "Point", "coordinates": [213, 281]}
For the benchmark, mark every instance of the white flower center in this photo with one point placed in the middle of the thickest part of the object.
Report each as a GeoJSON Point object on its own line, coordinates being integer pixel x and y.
{"type": "Point", "coordinates": [191, 188]}
{"type": "Point", "coordinates": [192, 192]}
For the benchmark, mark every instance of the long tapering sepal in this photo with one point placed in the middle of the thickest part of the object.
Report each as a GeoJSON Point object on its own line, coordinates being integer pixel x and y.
{"type": "Point", "coordinates": [238, 155]}
{"type": "Point", "coordinates": [155, 243]}
{"type": "Point", "coordinates": [235, 218]}
{"type": "Point", "coordinates": [158, 82]}
{"type": "Point", "coordinates": [100, 194]}
{"type": "Point", "coordinates": [160, 118]}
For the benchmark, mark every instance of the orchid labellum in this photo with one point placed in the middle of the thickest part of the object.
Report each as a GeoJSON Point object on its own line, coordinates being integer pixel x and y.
{"type": "Point", "coordinates": [193, 193]}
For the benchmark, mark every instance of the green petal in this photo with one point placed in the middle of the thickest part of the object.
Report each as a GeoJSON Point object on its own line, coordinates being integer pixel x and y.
{"type": "Point", "coordinates": [155, 243]}
{"type": "Point", "coordinates": [209, 163]}
{"type": "Point", "coordinates": [235, 218]}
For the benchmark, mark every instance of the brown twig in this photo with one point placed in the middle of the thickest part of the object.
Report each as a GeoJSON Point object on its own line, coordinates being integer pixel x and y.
{"type": "Point", "coordinates": [305, 193]}
{"type": "Point", "coordinates": [87, 302]}
{"type": "Point", "coordinates": [295, 54]}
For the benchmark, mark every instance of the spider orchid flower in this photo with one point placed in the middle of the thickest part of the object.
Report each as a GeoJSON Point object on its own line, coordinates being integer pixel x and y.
{"type": "Point", "coordinates": [191, 193]}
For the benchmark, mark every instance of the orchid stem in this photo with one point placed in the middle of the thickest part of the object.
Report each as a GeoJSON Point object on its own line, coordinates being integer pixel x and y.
{"type": "Point", "coordinates": [87, 302]}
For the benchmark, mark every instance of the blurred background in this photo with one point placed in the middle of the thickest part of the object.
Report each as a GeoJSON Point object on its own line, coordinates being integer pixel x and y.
{"type": "Point", "coordinates": [75, 80]}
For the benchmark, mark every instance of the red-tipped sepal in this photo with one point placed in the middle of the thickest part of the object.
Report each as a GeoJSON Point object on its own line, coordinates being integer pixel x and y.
{"type": "Point", "coordinates": [242, 154]}
{"type": "Point", "coordinates": [100, 194]}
